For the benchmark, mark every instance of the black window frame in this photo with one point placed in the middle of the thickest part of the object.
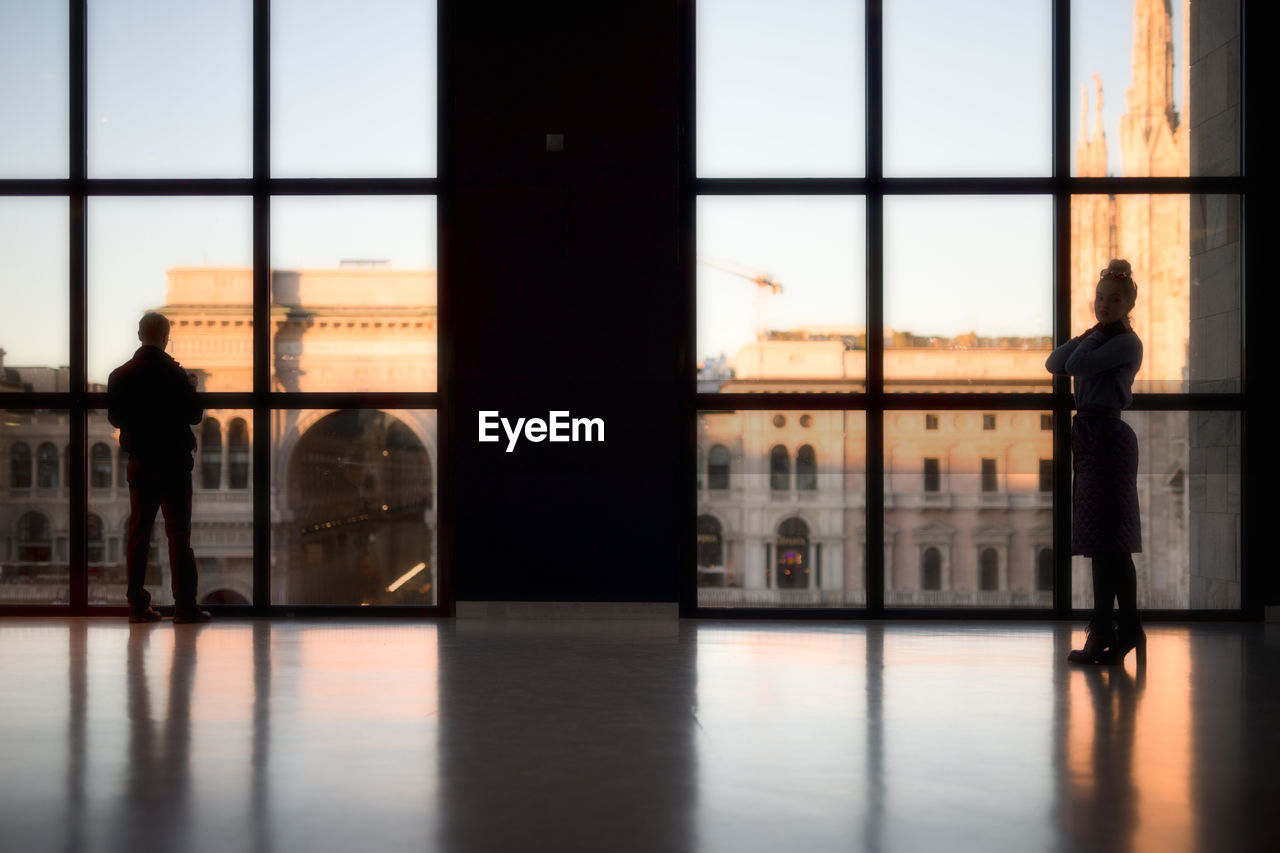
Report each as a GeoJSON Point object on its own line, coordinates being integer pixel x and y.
{"type": "Point", "coordinates": [260, 188]}
{"type": "Point", "coordinates": [875, 401]}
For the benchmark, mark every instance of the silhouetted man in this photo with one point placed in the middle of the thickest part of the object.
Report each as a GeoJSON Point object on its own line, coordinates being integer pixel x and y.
{"type": "Point", "coordinates": [152, 400]}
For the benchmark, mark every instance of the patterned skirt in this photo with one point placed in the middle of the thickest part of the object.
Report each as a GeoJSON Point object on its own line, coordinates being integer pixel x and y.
{"type": "Point", "coordinates": [1104, 488]}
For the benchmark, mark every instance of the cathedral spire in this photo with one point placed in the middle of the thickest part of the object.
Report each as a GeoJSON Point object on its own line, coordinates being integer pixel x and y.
{"type": "Point", "coordinates": [1150, 97]}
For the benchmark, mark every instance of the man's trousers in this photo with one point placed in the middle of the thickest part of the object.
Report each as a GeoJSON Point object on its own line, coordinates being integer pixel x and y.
{"type": "Point", "coordinates": [164, 485]}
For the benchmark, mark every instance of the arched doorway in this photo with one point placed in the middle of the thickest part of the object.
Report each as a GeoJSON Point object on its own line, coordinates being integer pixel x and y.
{"type": "Point", "coordinates": [711, 570]}
{"type": "Point", "coordinates": [360, 485]}
{"type": "Point", "coordinates": [225, 596]}
{"type": "Point", "coordinates": [793, 554]}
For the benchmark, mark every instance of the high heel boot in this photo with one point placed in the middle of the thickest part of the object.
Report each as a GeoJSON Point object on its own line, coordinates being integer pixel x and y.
{"type": "Point", "coordinates": [1129, 636]}
{"type": "Point", "coordinates": [1097, 643]}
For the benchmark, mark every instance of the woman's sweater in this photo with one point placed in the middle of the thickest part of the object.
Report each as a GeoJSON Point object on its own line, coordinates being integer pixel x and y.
{"type": "Point", "coordinates": [1104, 362]}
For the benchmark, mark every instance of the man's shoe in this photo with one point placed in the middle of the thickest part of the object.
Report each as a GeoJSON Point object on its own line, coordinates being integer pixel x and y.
{"type": "Point", "coordinates": [194, 616]}
{"type": "Point", "coordinates": [148, 615]}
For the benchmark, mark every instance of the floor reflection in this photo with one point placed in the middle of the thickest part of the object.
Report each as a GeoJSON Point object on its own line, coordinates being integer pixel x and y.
{"type": "Point", "coordinates": [471, 735]}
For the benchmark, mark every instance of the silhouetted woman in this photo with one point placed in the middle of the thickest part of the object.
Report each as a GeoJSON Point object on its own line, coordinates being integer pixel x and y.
{"type": "Point", "coordinates": [1104, 459]}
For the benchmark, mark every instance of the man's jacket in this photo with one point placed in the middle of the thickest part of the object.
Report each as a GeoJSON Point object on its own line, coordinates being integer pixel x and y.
{"type": "Point", "coordinates": [153, 405]}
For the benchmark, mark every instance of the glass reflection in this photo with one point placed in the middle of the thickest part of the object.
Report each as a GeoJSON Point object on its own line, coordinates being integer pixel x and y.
{"type": "Point", "coordinates": [781, 294]}
{"type": "Point", "coordinates": [353, 512]}
{"type": "Point", "coordinates": [781, 509]}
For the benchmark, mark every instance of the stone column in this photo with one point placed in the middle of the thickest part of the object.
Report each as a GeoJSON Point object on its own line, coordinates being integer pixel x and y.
{"type": "Point", "coordinates": [753, 571]}
{"type": "Point", "coordinates": [224, 461]}
{"type": "Point", "coordinates": [1214, 358]}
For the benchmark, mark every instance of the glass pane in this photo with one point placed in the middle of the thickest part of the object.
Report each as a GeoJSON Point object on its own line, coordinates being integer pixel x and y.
{"type": "Point", "coordinates": [967, 88]}
{"type": "Point", "coordinates": [353, 290]}
{"type": "Point", "coordinates": [780, 88]}
{"type": "Point", "coordinates": [968, 300]}
{"type": "Point", "coordinates": [968, 513]}
{"type": "Point", "coordinates": [188, 258]}
{"type": "Point", "coordinates": [781, 509]}
{"type": "Point", "coordinates": [353, 497]}
{"type": "Point", "coordinates": [221, 515]}
{"type": "Point", "coordinates": [33, 288]}
{"type": "Point", "coordinates": [33, 90]}
{"type": "Point", "coordinates": [1186, 255]}
{"type": "Point", "coordinates": [353, 88]}
{"type": "Point", "coordinates": [1189, 497]}
{"type": "Point", "coordinates": [1129, 62]}
{"type": "Point", "coordinates": [34, 507]}
{"type": "Point", "coordinates": [170, 88]}
{"type": "Point", "coordinates": [781, 294]}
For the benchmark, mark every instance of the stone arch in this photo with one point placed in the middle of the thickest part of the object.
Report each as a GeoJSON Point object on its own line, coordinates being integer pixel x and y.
{"type": "Point", "coordinates": [360, 498]}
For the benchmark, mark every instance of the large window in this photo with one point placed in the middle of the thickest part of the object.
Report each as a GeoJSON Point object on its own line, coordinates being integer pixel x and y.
{"type": "Point", "coordinates": [271, 190]}
{"type": "Point", "coordinates": [926, 246]}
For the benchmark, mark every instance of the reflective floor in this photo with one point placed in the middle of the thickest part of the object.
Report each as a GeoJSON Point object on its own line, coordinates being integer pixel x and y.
{"type": "Point", "coordinates": [707, 736]}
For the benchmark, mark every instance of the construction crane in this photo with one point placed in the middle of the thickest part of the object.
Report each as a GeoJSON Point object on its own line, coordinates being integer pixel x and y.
{"type": "Point", "coordinates": [764, 283]}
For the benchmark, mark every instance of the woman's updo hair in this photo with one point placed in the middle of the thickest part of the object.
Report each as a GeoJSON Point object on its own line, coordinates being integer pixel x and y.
{"type": "Point", "coordinates": [1121, 273]}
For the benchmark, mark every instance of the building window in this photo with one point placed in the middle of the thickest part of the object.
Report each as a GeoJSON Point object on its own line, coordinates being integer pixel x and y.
{"type": "Point", "coordinates": [806, 421]}
{"type": "Point", "coordinates": [989, 570]}
{"type": "Point", "coordinates": [47, 466]}
{"type": "Point", "coordinates": [931, 569]}
{"type": "Point", "coordinates": [35, 545]}
{"type": "Point", "coordinates": [238, 458]}
{"type": "Point", "coordinates": [988, 422]}
{"type": "Point", "coordinates": [1046, 422]}
{"type": "Point", "coordinates": [931, 422]}
{"type": "Point", "coordinates": [211, 454]}
{"type": "Point", "coordinates": [932, 475]}
{"type": "Point", "coordinates": [711, 570]}
{"type": "Point", "coordinates": [779, 469]}
{"type": "Point", "coordinates": [779, 421]}
{"type": "Point", "coordinates": [122, 469]}
{"type": "Point", "coordinates": [718, 468]}
{"type": "Point", "coordinates": [793, 554]}
{"type": "Point", "coordinates": [806, 469]}
{"type": "Point", "coordinates": [1046, 475]}
{"type": "Point", "coordinates": [100, 467]}
{"type": "Point", "coordinates": [20, 466]}
{"type": "Point", "coordinates": [989, 483]}
{"type": "Point", "coordinates": [1044, 570]}
{"type": "Point", "coordinates": [93, 539]}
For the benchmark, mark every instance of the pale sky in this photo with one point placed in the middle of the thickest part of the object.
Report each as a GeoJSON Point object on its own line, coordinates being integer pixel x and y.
{"type": "Point", "coordinates": [779, 87]}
